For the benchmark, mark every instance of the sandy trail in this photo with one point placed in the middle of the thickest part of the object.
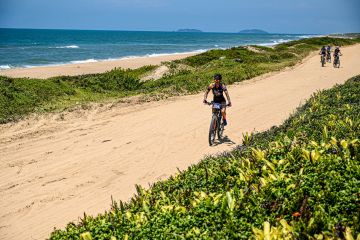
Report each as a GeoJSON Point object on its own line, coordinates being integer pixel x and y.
{"type": "Point", "coordinates": [56, 167]}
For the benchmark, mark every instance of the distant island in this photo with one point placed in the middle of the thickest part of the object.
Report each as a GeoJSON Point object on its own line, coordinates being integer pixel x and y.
{"type": "Point", "coordinates": [189, 30]}
{"type": "Point", "coordinates": [253, 31]}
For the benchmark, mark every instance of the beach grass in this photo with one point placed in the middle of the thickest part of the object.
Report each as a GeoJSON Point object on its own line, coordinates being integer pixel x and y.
{"type": "Point", "coordinates": [21, 96]}
{"type": "Point", "coordinates": [296, 181]}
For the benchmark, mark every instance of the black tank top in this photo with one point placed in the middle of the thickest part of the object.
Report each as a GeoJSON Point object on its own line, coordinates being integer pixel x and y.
{"type": "Point", "coordinates": [218, 92]}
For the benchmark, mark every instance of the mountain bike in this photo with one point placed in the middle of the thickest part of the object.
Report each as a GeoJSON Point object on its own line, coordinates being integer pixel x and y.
{"type": "Point", "coordinates": [336, 62]}
{"type": "Point", "coordinates": [216, 124]}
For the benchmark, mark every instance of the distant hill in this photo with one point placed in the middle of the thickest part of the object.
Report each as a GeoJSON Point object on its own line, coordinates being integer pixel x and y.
{"type": "Point", "coordinates": [189, 30]}
{"type": "Point", "coordinates": [253, 31]}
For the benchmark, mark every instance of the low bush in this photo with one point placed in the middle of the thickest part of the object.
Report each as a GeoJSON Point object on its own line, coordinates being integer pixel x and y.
{"type": "Point", "coordinates": [297, 181]}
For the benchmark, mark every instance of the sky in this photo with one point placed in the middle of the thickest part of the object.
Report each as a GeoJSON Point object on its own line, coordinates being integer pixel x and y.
{"type": "Point", "coordinates": [275, 16]}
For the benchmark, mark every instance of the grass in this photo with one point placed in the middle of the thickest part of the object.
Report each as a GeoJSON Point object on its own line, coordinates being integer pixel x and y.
{"type": "Point", "coordinates": [21, 96]}
{"type": "Point", "coordinates": [297, 181]}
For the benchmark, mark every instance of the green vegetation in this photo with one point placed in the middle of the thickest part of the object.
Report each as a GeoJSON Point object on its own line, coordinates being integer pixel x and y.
{"type": "Point", "coordinates": [297, 181]}
{"type": "Point", "coordinates": [19, 97]}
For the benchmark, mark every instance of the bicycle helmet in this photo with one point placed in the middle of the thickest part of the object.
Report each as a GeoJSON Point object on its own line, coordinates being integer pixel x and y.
{"type": "Point", "coordinates": [217, 76]}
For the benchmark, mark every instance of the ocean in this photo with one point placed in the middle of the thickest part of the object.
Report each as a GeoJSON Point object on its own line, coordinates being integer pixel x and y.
{"type": "Point", "coordinates": [39, 47]}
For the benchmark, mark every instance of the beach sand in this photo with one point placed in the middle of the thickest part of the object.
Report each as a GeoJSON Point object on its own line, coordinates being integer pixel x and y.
{"type": "Point", "coordinates": [88, 68]}
{"type": "Point", "coordinates": [55, 167]}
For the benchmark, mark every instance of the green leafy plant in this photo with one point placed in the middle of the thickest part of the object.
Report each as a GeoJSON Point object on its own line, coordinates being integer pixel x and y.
{"type": "Point", "coordinates": [296, 181]}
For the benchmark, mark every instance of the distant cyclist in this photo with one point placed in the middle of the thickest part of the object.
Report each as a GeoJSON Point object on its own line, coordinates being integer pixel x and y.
{"type": "Point", "coordinates": [323, 51]}
{"type": "Point", "coordinates": [337, 52]}
{"type": "Point", "coordinates": [323, 56]}
{"type": "Point", "coordinates": [328, 53]}
{"type": "Point", "coordinates": [218, 90]}
{"type": "Point", "coordinates": [328, 49]}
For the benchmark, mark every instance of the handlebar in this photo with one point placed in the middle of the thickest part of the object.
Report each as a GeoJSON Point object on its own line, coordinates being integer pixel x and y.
{"type": "Point", "coordinates": [211, 103]}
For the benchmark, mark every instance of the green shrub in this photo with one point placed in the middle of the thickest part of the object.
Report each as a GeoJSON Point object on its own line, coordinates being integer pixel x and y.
{"type": "Point", "coordinates": [301, 178]}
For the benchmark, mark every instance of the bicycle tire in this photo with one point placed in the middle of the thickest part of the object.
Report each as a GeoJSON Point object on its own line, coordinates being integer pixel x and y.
{"type": "Point", "coordinates": [220, 130]}
{"type": "Point", "coordinates": [212, 129]}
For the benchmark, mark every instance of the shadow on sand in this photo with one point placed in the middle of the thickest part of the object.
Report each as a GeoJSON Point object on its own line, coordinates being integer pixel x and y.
{"type": "Point", "coordinates": [226, 140]}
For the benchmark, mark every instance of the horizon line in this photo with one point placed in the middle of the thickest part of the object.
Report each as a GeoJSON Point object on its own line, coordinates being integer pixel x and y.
{"type": "Point", "coordinates": [201, 31]}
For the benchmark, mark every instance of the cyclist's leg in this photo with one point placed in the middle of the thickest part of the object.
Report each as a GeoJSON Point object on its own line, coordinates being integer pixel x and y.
{"type": "Point", "coordinates": [223, 112]}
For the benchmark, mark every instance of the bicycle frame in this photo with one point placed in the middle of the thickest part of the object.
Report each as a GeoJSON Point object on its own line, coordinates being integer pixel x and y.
{"type": "Point", "coordinates": [218, 114]}
{"type": "Point", "coordinates": [215, 124]}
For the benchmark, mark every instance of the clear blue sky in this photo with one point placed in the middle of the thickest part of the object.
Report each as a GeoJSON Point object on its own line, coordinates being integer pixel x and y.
{"type": "Point", "coordinates": [278, 16]}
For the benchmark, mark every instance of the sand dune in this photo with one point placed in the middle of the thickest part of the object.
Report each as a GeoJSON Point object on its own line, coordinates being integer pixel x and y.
{"type": "Point", "coordinates": [55, 167]}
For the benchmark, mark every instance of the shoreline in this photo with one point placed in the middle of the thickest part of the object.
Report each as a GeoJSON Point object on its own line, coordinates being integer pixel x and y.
{"type": "Point", "coordinates": [101, 66]}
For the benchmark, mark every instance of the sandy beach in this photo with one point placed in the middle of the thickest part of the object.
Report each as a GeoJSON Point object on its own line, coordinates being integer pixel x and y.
{"type": "Point", "coordinates": [91, 67]}
{"type": "Point", "coordinates": [55, 167]}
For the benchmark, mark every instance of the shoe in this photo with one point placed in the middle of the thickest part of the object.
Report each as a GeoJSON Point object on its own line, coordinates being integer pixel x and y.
{"type": "Point", "coordinates": [224, 122]}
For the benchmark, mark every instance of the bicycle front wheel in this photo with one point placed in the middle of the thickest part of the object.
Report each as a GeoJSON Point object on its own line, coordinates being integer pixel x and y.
{"type": "Point", "coordinates": [220, 130]}
{"type": "Point", "coordinates": [212, 130]}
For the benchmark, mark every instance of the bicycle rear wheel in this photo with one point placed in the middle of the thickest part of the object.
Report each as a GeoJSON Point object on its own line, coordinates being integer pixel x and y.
{"type": "Point", "coordinates": [212, 130]}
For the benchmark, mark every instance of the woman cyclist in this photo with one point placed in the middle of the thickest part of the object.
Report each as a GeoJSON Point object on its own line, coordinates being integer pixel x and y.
{"type": "Point", "coordinates": [218, 90]}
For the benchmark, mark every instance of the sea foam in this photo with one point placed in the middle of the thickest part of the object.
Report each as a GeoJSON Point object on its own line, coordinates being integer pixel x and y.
{"type": "Point", "coordinates": [85, 61]}
{"type": "Point", "coordinates": [69, 46]}
{"type": "Point", "coordinates": [3, 67]}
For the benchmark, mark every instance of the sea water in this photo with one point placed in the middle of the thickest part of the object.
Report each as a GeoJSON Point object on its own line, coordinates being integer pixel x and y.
{"type": "Point", "coordinates": [40, 47]}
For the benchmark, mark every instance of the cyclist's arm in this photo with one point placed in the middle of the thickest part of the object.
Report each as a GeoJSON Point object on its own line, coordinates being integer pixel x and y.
{"type": "Point", "coordinates": [228, 97]}
{"type": "Point", "coordinates": [206, 94]}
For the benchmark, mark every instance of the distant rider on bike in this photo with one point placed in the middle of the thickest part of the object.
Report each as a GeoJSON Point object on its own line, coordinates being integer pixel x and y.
{"type": "Point", "coordinates": [328, 53]}
{"type": "Point", "coordinates": [218, 90]}
{"type": "Point", "coordinates": [328, 49]}
{"type": "Point", "coordinates": [323, 52]}
{"type": "Point", "coordinates": [337, 52]}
